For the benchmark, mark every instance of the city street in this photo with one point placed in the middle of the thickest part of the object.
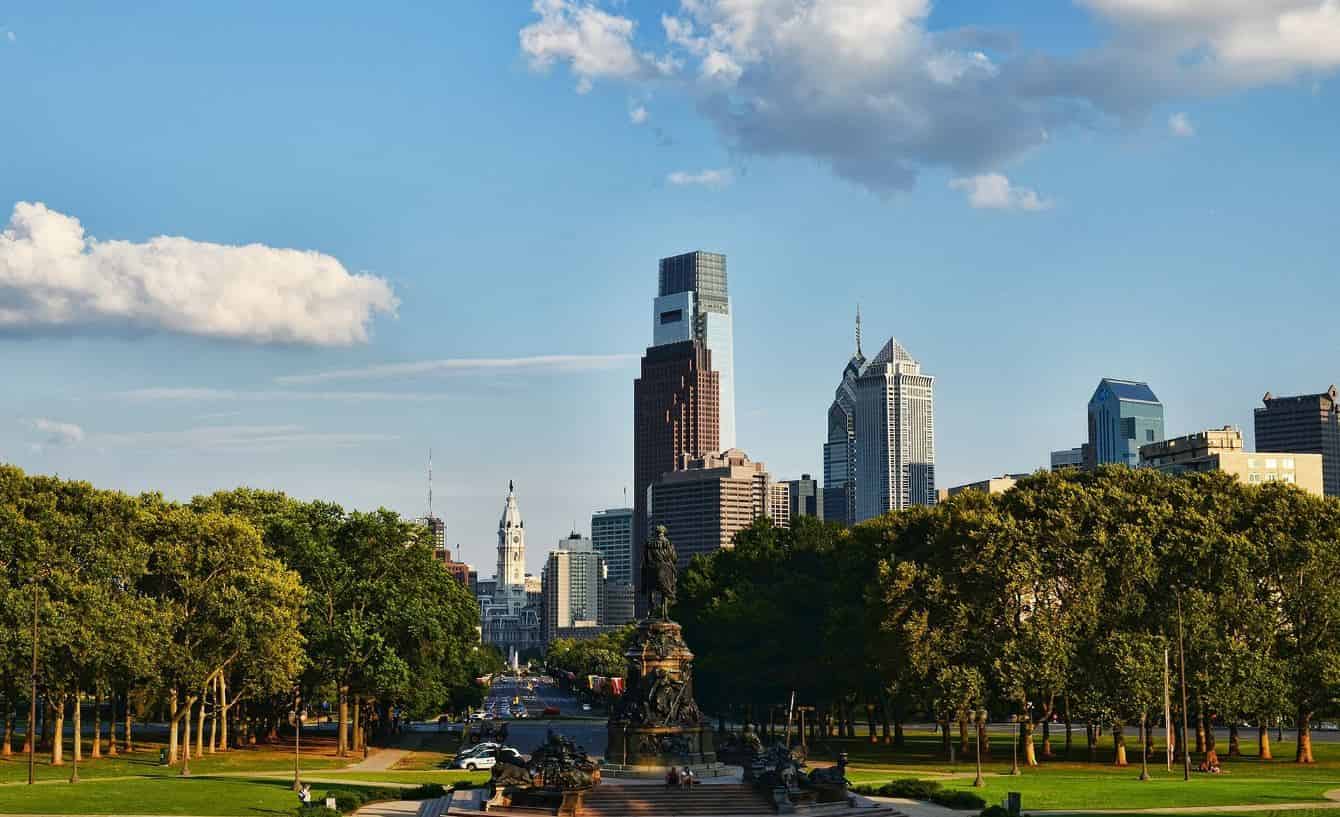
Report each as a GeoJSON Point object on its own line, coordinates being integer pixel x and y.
{"type": "Point", "coordinates": [587, 729]}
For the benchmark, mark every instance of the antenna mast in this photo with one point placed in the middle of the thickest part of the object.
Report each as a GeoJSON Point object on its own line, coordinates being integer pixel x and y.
{"type": "Point", "coordinates": [430, 483]}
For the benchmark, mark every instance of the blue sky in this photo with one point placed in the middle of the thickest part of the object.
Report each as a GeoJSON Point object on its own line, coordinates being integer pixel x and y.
{"type": "Point", "coordinates": [1006, 190]}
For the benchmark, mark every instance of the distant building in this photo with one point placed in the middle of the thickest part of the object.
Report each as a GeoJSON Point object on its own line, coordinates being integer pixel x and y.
{"type": "Point", "coordinates": [612, 537]}
{"type": "Point", "coordinates": [1123, 415]}
{"type": "Point", "coordinates": [839, 497]}
{"type": "Point", "coordinates": [805, 497]}
{"type": "Point", "coordinates": [1220, 449]}
{"type": "Point", "coordinates": [707, 501]}
{"type": "Point", "coordinates": [572, 579]}
{"type": "Point", "coordinates": [437, 531]}
{"type": "Point", "coordinates": [510, 615]}
{"type": "Point", "coordinates": [1068, 458]}
{"type": "Point", "coordinates": [675, 417]}
{"type": "Point", "coordinates": [895, 434]}
{"type": "Point", "coordinates": [994, 485]}
{"type": "Point", "coordinates": [620, 604]}
{"type": "Point", "coordinates": [693, 303]}
{"type": "Point", "coordinates": [460, 571]}
{"type": "Point", "coordinates": [1304, 424]}
{"type": "Point", "coordinates": [779, 504]}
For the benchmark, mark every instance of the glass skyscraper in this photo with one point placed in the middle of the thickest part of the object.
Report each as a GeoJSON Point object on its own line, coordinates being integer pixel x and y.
{"type": "Point", "coordinates": [895, 434]}
{"type": "Point", "coordinates": [1123, 415]}
{"type": "Point", "coordinates": [692, 303]}
{"type": "Point", "coordinates": [839, 495]}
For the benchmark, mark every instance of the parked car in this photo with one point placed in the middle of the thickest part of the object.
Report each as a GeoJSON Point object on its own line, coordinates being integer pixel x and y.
{"type": "Point", "coordinates": [551, 712]}
{"type": "Point", "coordinates": [476, 716]}
{"type": "Point", "coordinates": [484, 760]}
{"type": "Point", "coordinates": [587, 708]}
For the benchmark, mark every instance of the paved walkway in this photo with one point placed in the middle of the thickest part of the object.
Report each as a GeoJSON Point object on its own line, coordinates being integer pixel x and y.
{"type": "Point", "coordinates": [918, 808]}
{"type": "Point", "coordinates": [381, 760]}
{"type": "Point", "coordinates": [390, 808]}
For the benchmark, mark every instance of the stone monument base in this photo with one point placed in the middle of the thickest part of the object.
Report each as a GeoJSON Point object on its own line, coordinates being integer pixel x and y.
{"type": "Point", "coordinates": [660, 745]}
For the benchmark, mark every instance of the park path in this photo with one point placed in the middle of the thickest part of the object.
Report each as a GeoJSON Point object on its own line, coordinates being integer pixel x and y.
{"type": "Point", "coordinates": [391, 808]}
{"type": "Point", "coordinates": [917, 808]}
{"type": "Point", "coordinates": [382, 760]}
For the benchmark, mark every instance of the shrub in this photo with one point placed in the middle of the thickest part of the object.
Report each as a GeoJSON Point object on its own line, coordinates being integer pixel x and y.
{"type": "Point", "coordinates": [427, 791]}
{"type": "Point", "coordinates": [994, 811]}
{"type": "Point", "coordinates": [345, 800]}
{"type": "Point", "coordinates": [910, 788]}
{"type": "Point", "coordinates": [313, 810]}
{"type": "Point", "coordinates": [959, 800]}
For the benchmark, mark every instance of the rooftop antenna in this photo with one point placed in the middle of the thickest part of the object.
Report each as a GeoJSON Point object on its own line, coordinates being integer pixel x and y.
{"type": "Point", "coordinates": [430, 483]}
{"type": "Point", "coordinates": [858, 330]}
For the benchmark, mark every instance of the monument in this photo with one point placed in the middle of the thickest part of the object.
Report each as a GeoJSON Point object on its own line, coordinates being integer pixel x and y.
{"type": "Point", "coordinates": [657, 723]}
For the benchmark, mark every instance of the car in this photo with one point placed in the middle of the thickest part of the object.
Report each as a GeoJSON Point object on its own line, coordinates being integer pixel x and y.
{"type": "Point", "coordinates": [587, 708]}
{"type": "Point", "coordinates": [484, 760]}
{"type": "Point", "coordinates": [476, 716]}
{"type": "Point", "coordinates": [478, 749]}
{"type": "Point", "coordinates": [551, 712]}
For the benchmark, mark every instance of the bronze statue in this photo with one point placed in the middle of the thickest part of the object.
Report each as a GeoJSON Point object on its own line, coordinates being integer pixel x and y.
{"type": "Point", "coordinates": [659, 565]}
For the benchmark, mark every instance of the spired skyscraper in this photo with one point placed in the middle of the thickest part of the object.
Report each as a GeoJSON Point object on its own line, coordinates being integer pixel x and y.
{"type": "Point", "coordinates": [895, 434]}
{"type": "Point", "coordinates": [839, 496]}
{"type": "Point", "coordinates": [692, 303]}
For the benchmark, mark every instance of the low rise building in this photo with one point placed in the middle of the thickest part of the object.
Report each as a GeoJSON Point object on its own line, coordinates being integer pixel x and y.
{"type": "Point", "coordinates": [994, 485]}
{"type": "Point", "coordinates": [1221, 449]}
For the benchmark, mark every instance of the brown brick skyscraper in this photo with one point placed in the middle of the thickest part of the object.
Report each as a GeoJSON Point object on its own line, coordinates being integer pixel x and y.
{"type": "Point", "coordinates": [675, 412]}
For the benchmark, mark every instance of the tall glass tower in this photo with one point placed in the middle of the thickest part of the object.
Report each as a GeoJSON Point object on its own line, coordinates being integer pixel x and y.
{"type": "Point", "coordinates": [692, 303]}
{"type": "Point", "coordinates": [895, 434]}
{"type": "Point", "coordinates": [839, 498]}
{"type": "Point", "coordinates": [1123, 415]}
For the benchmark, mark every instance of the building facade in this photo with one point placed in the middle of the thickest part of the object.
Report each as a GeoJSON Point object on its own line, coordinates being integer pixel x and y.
{"type": "Point", "coordinates": [510, 615]}
{"type": "Point", "coordinates": [895, 434]}
{"type": "Point", "coordinates": [705, 503]}
{"type": "Point", "coordinates": [1123, 415]}
{"type": "Point", "coordinates": [675, 417]}
{"type": "Point", "coordinates": [994, 485]}
{"type": "Point", "coordinates": [572, 586]}
{"type": "Point", "coordinates": [612, 537]}
{"type": "Point", "coordinates": [693, 303]}
{"type": "Point", "coordinates": [1220, 449]}
{"type": "Point", "coordinates": [1067, 458]}
{"type": "Point", "coordinates": [619, 606]}
{"type": "Point", "coordinates": [779, 504]}
{"type": "Point", "coordinates": [804, 497]}
{"type": "Point", "coordinates": [1304, 424]}
{"type": "Point", "coordinates": [839, 499]}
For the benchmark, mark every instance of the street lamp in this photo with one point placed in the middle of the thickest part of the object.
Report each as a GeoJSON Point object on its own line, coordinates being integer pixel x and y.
{"type": "Point", "coordinates": [1144, 746]}
{"type": "Point", "coordinates": [297, 738]}
{"type": "Point", "coordinates": [32, 704]}
{"type": "Point", "coordinates": [1014, 757]}
{"type": "Point", "coordinates": [979, 717]}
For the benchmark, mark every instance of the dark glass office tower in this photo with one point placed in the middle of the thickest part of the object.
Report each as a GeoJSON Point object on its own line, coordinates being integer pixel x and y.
{"type": "Point", "coordinates": [1304, 424]}
{"type": "Point", "coordinates": [693, 303]}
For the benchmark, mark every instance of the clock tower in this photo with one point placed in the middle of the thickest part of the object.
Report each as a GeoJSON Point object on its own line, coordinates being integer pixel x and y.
{"type": "Point", "coordinates": [511, 575]}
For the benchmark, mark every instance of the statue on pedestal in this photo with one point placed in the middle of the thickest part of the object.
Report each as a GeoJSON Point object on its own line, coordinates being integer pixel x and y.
{"type": "Point", "coordinates": [659, 566]}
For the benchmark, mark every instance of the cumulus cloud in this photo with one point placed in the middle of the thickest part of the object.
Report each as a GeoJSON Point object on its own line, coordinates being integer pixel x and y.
{"type": "Point", "coordinates": [55, 277]}
{"type": "Point", "coordinates": [702, 178]}
{"type": "Point", "coordinates": [594, 43]}
{"type": "Point", "coordinates": [55, 432]}
{"type": "Point", "coordinates": [869, 89]}
{"type": "Point", "coordinates": [420, 368]}
{"type": "Point", "coordinates": [1180, 125]}
{"type": "Point", "coordinates": [638, 115]}
{"type": "Point", "coordinates": [994, 191]}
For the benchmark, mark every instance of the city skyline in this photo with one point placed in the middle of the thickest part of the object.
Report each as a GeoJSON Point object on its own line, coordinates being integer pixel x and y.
{"type": "Point", "coordinates": [491, 275]}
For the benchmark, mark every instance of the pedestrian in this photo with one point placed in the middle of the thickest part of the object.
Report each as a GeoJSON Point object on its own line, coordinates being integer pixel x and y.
{"type": "Point", "coordinates": [305, 795]}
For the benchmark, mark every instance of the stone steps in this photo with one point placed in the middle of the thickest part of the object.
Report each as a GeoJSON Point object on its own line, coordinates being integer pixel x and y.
{"type": "Point", "coordinates": [663, 801]}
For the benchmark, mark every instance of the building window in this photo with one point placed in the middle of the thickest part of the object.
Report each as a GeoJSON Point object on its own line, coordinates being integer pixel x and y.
{"type": "Point", "coordinates": [1288, 462]}
{"type": "Point", "coordinates": [673, 316]}
{"type": "Point", "coordinates": [1149, 435]}
{"type": "Point", "coordinates": [1272, 463]}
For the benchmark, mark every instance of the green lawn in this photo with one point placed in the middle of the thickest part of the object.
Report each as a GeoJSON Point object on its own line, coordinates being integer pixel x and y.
{"type": "Point", "coordinates": [194, 796]}
{"type": "Point", "coordinates": [414, 777]}
{"type": "Point", "coordinates": [145, 764]}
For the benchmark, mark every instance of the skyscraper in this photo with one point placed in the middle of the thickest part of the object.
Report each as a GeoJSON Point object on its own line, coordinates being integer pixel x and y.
{"type": "Point", "coordinates": [895, 434]}
{"type": "Point", "coordinates": [692, 303]}
{"type": "Point", "coordinates": [1305, 424]}
{"type": "Point", "coordinates": [1123, 415]}
{"type": "Point", "coordinates": [572, 577]}
{"type": "Point", "coordinates": [612, 537]}
{"type": "Point", "coordinates": [803, 496]}
{"type": "Point", "coordinates": [839, 504]}
{"type": "Point", "coordinates": [674, 416]}
{"type": "Point", "coordinates": [704, 503]}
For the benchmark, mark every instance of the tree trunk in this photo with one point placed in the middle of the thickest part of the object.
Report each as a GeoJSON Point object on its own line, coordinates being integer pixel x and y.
{"type": "Point", "coordinates": [58, 734]}
{"type": "Point", "coordinates": [186, 734]}
{"type": "Point", "coordinates": [342, 730]}
{"type": "Point", "coordinates": [1047, 753]}
{"type": "Point", "coordinates": [8, 748]}
{"type": "Point", "coordinates": [200, 728]}
{"type": "Point", "coordinates": [870, 721]}
{"type": "Point", "coordinates": [946, 747]}
{"type": "Point", "coordinates": [1234, 744]}
{"type": "Point", "coordinates": [899, 738]}
{"type": "Point", "coordinates": [1066, 750]}
{"type": "Point", "coordinates": [48, 715]}
{"type": "Point", "coordinates": [97, 723]}
{"type": "Point", "coordinates": [223, 714]}
{"type": "Point", "coordinates": [1304, 753]}
{"type": "Point", "coordinates": [174, 724]}
{"type": "Point", "coordinates": [1091, 738]}
{"type": "Point", "coordinates": [964, 746]}
{"type": "Point", "coordinates": [1200, 733]}
{"type": "Point", "coordinates": [1118, 743]}
{"type": "Point", "coordinates": [1026, 741]}
{"type": "Point", "coordinates": [357, 723]}
{"type": "Point", "coordinates": [111, 723]}
{"type": "Point", "coordinates": [128, 738]}
{"type": "Point", "coordinates": [1263, 742]}
{"type": "Point", "coordinates": [78, 728]}
{"type": "Point", "coordinates": [1209, 731]}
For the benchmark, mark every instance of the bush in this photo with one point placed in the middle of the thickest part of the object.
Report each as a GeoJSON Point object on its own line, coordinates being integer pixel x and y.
{"type": "Point", "coordinates": [994, 811]}
{"type": "Point", "coordinates": [427, 791]}
{"type": "Point", "coordinates": [313, 810]}
{"type": "Point", "coordinates": [345, 800]}
{"type": "Point", "coordinates": [959, 800]}
{"type": "Point", "coordinates": [910, 788]}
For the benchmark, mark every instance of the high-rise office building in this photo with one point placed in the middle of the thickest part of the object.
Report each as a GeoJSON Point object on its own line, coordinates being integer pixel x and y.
{"type": "Point", "coordinates": [612, 537]}
{"type": "Point", "coordinates": [1304, 424]}
{"type": "Point", "coordinates": [619, 604]}
{"type": "Point", "coordinates": [706, 502]}
{"type": "Point", "coordinates": [803, 496]}
{"type": "Point", "coordinates": [895, 434]}
{"type": "Point", "coordinates": [839, 500]}
{"type": "Point", "coordinates": [572, 577]}
{"type": "Point", "coordinates": [1123, 415]}
{"type": "Point", "coordinates": [693, 303]}
{"type": "Point", "coordinates": [779, 503]}
{"type": "Point", "coordinates": [1067, 458]}
{"type": "Point", "coordinates": [675, 416]}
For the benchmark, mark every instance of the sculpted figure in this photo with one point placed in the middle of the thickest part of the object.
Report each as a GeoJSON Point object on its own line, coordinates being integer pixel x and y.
{"type": "Point", "coordinates": [659, 563]}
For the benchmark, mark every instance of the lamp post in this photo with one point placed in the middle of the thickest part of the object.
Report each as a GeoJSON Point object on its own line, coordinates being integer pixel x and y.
{"type": "Point", "coordinates": [32, 704]}
{"type": "Point", "coordinates": [1014, 757]}
{"type": "Point", "coordinates": [297, 738]}
{"type": "Point", "coordinates": [979, 718]}
{"type": "Point", "coordinates": [1144, 746]}
{"type": "Point", "coordinates": [1181, 659]}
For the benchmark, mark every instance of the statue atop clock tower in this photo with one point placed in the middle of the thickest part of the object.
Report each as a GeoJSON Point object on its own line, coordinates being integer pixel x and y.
{"type": "Point", "coordinates": [511, 576]}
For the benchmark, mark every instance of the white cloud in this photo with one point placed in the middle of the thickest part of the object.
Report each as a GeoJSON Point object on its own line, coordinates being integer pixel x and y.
{"type": "Point", "coordinates": [1179, 124]}
{"type": "Point", "coordinates": [993, 191]}
{"type": "Point", "coordinates": [593, 42]}
{"type": "Point", "coordinates": [239, 437]}
{"type": "Point", "coordinates": [869, 89]}
{"type": "Point", "coordinates": [703, 178]}
{"type": "Point", "coordinates": [208, 394]}
{"type": "Point", "coordinates": [419, 368]}
{"type": "Point", "coordinates": [53, 276]}
{"type": "Point", "coordinates": [58, 433]}
{"type": "Point", "coordinates": [11, 36]}
{"type": "Point", "coordinates": [638, 115]}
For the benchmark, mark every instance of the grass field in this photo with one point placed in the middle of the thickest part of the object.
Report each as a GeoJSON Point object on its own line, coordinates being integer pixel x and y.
{"type": "Point", "coordinates": [205, 797]}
